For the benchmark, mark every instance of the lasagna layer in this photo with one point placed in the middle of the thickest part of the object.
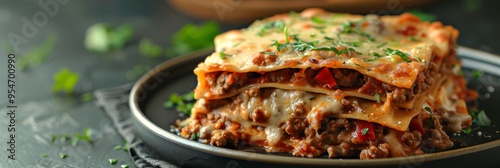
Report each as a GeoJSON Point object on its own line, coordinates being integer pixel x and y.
{"type": "Point", "coordinates": [392, 49]}
{"type": "Point", "coordinates": [342, 85]}
{"type": "Point", "coordinates": [311, 124]}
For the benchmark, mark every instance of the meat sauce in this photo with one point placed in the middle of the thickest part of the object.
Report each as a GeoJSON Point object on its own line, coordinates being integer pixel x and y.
{"type": "Point", "coordinates": [229, 82]}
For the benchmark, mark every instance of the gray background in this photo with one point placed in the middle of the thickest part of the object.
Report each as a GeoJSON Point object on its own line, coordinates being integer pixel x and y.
{"type": "Point", "coordinates": [41, 113]}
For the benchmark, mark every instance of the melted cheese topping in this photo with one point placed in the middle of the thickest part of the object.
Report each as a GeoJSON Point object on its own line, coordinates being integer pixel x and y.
{"type": "Point", "coordinates": [257, 48]}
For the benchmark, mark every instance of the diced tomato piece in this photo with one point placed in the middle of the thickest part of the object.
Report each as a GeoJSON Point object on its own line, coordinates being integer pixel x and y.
{"type": "Point", "coordinates": [325, 78]}
{"type": "Point", "coordinates": [364, 130]}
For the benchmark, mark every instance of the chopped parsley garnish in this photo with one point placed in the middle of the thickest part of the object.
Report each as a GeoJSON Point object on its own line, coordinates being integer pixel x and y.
{"type": "Point", "coordinates": [428, 109]}
{"type": "Point", "coordinates": [279, 46]}
{"type": "Point", "coordinates": [312, 98]}
{"type": "Point", "coordinates": [192, 37]}
{"type": "Point", "coordinates": [286, 35]}
{"type": "Point", "coordinates": [65, 80]}
{"type": "Point", "coordinates": [467, 130]}
{"type": "Point", "coordinates": [364, 131]}
{"type": "Point", "coordinates": [268, 53]}
{"type": "Point", "coordinates": [412, 38]}
{"type": "Point", "coordinates": [419, 59]}
{"type": "Point", "coordinates": [480, 118]}
{"type": "Point", "coordinates": [44, 155]}
{"type": "Point", "coordinates": [194, 136]}
{"type": "Point", "coordinates": [222, 55]}
{"type": "Point", "coordinates": [376, 56]}
{"type": "Point", "coordinates": [279, 24]}
{"type": "Point", "coordinates": [183, 103]}
{"type": "Point", "coordinates": [338, 52]}
{"type": "Point", "coordinates": [353, 44]}
{"type": "Point", "coordinates": [477, 73]}
{"type": "Point", "coordinates": [112, 161]}
{"type": "Point", "coordinates": [301, 46]}
{"type": "Point", "coordinates": [329, 38]}
{"type": "Point", "coordinates": [124, 166]}
{"type": "Point", "coordinates": [317, 20]}
{"type": "Point", "coordinates": [381, 45]}
{"type": "Point", "coordinates": [377, 97]}
{"type": "Point", "coordinates": [63, 155]}
{"type": "Point", "coordinates": [320, 28]}
{"type": "Point", "coordinates": [368, 36]}
{"type": "Point", "coordinates": [348, 27]}
{"type": "Point", "coordinates": [312, 35]}
{"type": "Point", "coordinates": [149, 49]}
{"type": "Point", "coordinates": [402, 55]}
{"type": "Point", "coordinates": [431, 118]}
{"type": "Point", "coordinates": [237, 44]}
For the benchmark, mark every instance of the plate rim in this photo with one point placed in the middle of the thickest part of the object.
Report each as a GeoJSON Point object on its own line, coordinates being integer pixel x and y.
{"type": "Point", "coordinates": [138, 114]}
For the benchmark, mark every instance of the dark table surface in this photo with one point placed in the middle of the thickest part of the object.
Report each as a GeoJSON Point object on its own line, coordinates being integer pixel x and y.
{"type": "Point", "coordinates": [42, 113]}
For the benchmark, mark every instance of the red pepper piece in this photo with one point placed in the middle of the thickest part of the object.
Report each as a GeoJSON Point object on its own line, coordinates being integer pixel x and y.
{"type": "Point", "coordinates": [364, 130]}
{"type": "Point", "coordinates": [416, 124]}
{"type": "Point", "coordinates": [325, 78]}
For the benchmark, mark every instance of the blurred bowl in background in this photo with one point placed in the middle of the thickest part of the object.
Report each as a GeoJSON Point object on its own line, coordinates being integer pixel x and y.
{"type": "Point", "coordinates": [246, 11]}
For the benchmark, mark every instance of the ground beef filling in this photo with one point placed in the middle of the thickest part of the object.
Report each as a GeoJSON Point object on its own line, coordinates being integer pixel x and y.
{"type": "Point", "coordinates": [335, 137]}
{"type": "Point", "coordinates": [229, 82]}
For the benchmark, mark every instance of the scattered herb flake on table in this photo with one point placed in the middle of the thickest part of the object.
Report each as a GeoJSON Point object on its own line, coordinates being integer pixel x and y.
{"type": "Point", "coordinates": [63, 155]}
{"type": "Point", "coordinates": [86, 136]}
{"type": "Point", "coordinates": [149, 49]}
{"type": "Point", "coordinates": [38, 55]}
{"type": "Point", "coordinates": [117, 147]}
{"type": "Point", "coordinates": [103, 38]}
{"type": "Point", "coordinates": [112, 161]}
{"type": "Point", "coordinates": [65, 80]}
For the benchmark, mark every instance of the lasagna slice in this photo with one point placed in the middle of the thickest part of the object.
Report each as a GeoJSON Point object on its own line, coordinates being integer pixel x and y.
{"type": "Point", "coordinates": [340, 85]}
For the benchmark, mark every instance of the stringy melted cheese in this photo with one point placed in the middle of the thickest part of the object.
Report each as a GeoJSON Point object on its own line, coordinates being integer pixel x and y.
{"type": "Point", "coordinates": [280, 105]}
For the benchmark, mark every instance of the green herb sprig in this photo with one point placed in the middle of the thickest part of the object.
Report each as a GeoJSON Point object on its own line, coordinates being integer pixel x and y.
{"type": "Point", "coordinates": [402, 55]}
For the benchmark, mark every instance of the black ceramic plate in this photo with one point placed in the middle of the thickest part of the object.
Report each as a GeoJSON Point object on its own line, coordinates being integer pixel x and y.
{"type": "Point", "coordinates": [153, 121]}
